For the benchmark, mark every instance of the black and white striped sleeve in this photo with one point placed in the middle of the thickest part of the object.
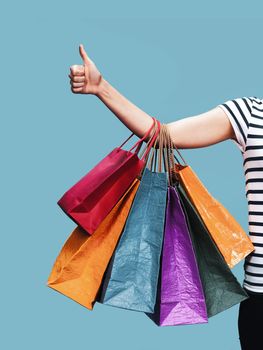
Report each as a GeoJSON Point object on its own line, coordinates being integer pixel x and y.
{"type": "Point", "coordinates": [238, 111]}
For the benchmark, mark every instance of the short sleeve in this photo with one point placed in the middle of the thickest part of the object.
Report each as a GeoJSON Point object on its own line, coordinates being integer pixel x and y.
{"type": "Point", "coordinates": [239, 112]}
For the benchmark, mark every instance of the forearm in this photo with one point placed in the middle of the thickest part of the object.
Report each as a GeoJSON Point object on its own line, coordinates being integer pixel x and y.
{"type": "Point", "coordinates": [197, 131]}
{"type": "Point", "coordinates": [128, 113]}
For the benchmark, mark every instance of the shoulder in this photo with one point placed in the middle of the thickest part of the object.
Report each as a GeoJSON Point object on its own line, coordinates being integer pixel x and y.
{"type": "Point", "coordinates": [256, 102]}
{"type": "Point", "coordinates": [242, 107]}
{"type": "Point", "coordinates": [238, 105]}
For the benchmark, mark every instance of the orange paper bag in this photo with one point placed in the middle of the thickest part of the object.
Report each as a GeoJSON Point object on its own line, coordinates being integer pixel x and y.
{"type": "Point", "coordinates": [79, 268]}
{"type": "Point", "coordinates": [230, 238]}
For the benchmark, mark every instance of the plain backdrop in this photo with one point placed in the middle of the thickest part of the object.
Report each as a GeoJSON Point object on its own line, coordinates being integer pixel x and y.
{"type": "Point", "coordinates": [173, 59]}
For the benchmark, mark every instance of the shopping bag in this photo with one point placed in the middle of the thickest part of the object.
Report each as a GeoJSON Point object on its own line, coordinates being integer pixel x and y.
{"type": "Point", "coordinates": [181, 299]}
{"type": "Point", "coordinates": [130, 281]}
{"type": "Point", "coordinates": [89, 201]}
{"type": "Point", "coordinates": [222, 289]}
{"type": "Point", "coordinates": [230, 238]}
{"type": "Point", "coordinates": [180, 295]}
{"type": "Point", "coordinates": [78, 269]}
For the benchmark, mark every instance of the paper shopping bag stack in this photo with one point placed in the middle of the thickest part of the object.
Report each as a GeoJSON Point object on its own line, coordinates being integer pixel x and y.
{"type": "Point", "coordinates": [149, 237]}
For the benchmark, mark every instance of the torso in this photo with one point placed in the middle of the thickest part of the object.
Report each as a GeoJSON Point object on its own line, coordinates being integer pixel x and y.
{"type": "Point", "coordinates": [253, 171]}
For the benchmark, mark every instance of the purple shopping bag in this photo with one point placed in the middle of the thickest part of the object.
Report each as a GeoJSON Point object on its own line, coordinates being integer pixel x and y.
{"type": "Point", "coordinates": [180, 297]}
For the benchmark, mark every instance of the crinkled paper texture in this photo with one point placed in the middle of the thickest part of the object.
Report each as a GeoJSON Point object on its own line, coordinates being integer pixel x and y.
{"type": "Point", "coordinates": [132, 277]}
{"type": "Point", "coordinates": [181, 298]}
{"type": "Point", "coordinates": [222, 289]}
{"type": "Point", "coordinates": [79, 267]}
{"type": "Point", "coordinates": [229, 236]}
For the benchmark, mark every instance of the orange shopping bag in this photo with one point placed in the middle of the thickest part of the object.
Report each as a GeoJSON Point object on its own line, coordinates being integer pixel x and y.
{"type": "Point", "coordinates": [230, 238]}
{"type": "Point", "coordinates": [79, 268]}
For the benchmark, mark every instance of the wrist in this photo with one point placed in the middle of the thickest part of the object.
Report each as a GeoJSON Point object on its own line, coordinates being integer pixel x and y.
{"type": "Point", "coordinates": [103, 89]}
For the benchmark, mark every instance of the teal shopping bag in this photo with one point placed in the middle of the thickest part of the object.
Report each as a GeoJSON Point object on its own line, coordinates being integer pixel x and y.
{"type": "Point", "coordinates": [131, 278]}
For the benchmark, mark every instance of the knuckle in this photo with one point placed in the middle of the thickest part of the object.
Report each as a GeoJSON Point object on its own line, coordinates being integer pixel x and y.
{"type": "Point", "coordinates": [72, 69]}
{"type": "Point", "coordinates": [76, 69]}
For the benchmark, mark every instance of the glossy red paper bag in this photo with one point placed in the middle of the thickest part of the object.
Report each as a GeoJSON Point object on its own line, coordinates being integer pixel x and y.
{"type": "Point", "coordinates": [90, 200]}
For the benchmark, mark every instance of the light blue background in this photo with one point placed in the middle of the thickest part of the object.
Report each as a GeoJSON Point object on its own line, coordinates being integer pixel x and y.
{"type": "Point", "coordinates": [173, 59]}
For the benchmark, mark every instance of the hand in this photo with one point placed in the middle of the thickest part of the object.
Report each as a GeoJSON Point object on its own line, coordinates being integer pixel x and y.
{"type": "Point", "coordinates": [86, 78]}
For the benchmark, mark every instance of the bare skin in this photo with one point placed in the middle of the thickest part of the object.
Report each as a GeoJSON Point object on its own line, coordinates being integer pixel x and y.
{"type": "Point", "coordinates": [196, 131]}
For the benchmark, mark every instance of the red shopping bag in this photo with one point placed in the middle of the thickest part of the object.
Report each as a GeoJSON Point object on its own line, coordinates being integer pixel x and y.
{"type": "Point", "coordinates": [89, 201]}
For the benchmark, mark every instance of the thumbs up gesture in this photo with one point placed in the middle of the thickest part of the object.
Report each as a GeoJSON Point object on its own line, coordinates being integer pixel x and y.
{"type": "Point", "coordinates": [85, 79]}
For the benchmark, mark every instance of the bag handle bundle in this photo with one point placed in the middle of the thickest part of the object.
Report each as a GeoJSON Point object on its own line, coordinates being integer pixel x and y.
{"type": "Point", "coordinates": [139, 142]}
{"type": "Point", "coordinates": [150, 145]}
{"type": "Point", "coordinates": [165, 155]}
{"type": "Point", "coordinates": [158, 152]}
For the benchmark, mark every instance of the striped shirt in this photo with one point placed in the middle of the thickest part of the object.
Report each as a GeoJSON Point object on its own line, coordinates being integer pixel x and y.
{"type": "Point", "coordinates": [246, 117]}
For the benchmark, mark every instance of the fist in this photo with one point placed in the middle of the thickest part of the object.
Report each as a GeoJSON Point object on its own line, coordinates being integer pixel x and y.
{"type": "Point", "coordinates": [85, 78]}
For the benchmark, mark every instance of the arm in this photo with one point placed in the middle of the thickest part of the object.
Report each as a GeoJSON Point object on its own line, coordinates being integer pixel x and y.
{"type": "Point", "coordinates": [196, 131]}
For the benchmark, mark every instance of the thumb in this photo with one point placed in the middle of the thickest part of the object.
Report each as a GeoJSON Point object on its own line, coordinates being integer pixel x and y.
{"type": "Point", "coordinates": [84, 55]}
